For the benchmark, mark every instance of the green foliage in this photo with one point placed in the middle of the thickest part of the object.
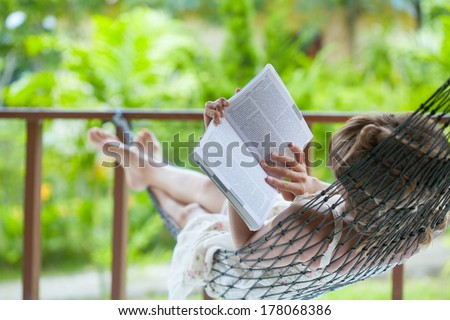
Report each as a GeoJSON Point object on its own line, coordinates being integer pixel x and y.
{"type": "Point", "coordinates": [10, 237]}
{"type": "Point", "coordinates": [283, 46]}
{"type": "Point", "coordinates": [49, 89]}
{"type": "Point", "coordinates": [239, 56]}
{"type": "Point", "coordinates": [139, 59]}
{"type": "Point", "coordinates": [142, 58]}
{"type": "Point", "coordinates": [445, 51]}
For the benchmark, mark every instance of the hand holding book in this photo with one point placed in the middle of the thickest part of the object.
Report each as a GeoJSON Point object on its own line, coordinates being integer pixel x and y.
{"type": "Point", "coordinates": [257, 138]}
{"type": "Point", "coordinates": [293, 178]}
{"type": "Point", "coordinates": [214, 110]}
{"type": "Point", "coordinates": [258, 120]}
{"type": "Point", "coordinates": [286, 174]}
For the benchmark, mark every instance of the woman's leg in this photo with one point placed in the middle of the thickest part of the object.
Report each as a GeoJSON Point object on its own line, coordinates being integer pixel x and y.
{"type": "Point", "coordinates": [183, 185]}
{"type": "Point", "coordinates": [203, 191]}
{"type": "Point", "coordinates": [180, 213]}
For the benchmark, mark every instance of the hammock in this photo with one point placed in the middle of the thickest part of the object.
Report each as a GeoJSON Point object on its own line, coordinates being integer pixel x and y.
{"type": "Point", "coordinates": [395, 198]}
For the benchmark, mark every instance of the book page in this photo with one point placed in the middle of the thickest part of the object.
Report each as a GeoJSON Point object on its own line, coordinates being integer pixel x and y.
{"type": "Point", "coordinates": [230, 164]}
{"type": "Point", "coordinates": [266, 117]}
{"type": "Point", "coordinates": [262, 118]}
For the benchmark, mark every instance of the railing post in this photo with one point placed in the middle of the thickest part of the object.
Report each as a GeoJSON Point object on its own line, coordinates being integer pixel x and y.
{"type": "Point", "coordinates": [397, 282]}
{"type": "Point", "coordinates": [31, 263]}
{"type": "Point", "coordinates": [120, 233]}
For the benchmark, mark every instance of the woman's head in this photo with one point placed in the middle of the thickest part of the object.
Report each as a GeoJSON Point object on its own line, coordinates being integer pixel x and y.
{"type": "Point", "coordinates": [395, 174]}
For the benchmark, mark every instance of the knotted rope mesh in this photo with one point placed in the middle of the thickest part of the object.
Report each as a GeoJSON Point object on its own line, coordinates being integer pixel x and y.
{"type": "Point", "coordinates": [391, 201]}
{"type": "Point", "coordinates": [383, 208]}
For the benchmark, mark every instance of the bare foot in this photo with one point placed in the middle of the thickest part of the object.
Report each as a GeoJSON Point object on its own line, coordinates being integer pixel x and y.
{"type": "Point", "coordinates": [138, 170]}
{"type": "Point", "coordinates": [151, 146]}
{"type": "Point", "coordinates": [99, 138]}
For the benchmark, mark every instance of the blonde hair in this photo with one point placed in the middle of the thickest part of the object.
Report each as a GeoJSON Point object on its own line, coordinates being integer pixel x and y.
{"type": "Point", "coordinates": [402, 186]}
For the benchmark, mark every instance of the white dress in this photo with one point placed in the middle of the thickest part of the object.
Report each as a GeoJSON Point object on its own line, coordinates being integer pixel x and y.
{"type": "Point", "coordinates": [193, 264]}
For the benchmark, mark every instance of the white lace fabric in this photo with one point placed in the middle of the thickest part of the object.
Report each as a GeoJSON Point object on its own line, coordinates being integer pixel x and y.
{"type": "Point", "coordinates": [193, 264]}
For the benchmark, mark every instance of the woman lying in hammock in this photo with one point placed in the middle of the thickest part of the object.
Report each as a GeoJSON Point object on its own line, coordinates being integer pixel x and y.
{"type": "Point", "coordinates": [318, 237]}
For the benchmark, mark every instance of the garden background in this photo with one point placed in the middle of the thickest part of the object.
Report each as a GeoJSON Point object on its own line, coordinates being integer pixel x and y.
{"type": "Point", "coordinates": [333, 55]}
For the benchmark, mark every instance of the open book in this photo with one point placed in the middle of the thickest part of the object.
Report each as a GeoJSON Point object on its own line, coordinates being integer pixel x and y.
{"type": "Point", "coordinates": [261, 118]}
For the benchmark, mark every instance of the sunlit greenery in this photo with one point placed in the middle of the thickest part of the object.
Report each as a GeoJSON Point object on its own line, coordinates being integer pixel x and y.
{"type": "Point", "coordinates": [333, 55]}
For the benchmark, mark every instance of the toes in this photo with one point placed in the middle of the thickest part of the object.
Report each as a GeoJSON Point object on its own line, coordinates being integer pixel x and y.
{"type": "Point", "coordinates": [145, 131]}
{"type": "Point", "coordinates": [99, 136]}
{"type": "Point", "coordinates": [106, 135]}
{"type": "Point", "coordinates": [93, 131]}
{"type": "Point", "coordinates": [147, 135]}
{"type": "Point", "coordinates": [140, 138]}
{"type": "Point", "coordinates": [94, 134]}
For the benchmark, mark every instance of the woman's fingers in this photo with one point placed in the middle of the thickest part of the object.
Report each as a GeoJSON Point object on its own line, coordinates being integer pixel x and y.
{"type": "Point", "coordinates": [210, 105]}
{"type": "Point", "coordinates": [286, 186]}
{"type": "Point", "coordinates": [285, 161]}
{"type": "Point", "coordinates": [218, 113]}
{"type": "Point", "coordinates": [212, 114]}
{"type": "Point", "coordinates": [215, 109]}
{"type": "Point", "coordinates": [279, 171]}
{"type": "Point", "coordinates": [296, 163]}
{"type": "Point", "coordinates": [222, 104]}
{"type": "Point", "coordinates": [299, 155]}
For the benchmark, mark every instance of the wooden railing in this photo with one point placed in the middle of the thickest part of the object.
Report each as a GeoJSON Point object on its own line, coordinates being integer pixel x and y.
{"type": "Point", "coordinates": [32, 202]}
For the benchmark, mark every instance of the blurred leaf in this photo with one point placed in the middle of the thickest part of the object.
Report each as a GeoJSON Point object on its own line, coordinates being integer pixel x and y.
{"type": "Point", "coordinates": [32, 89]}
{"type": "Point", "coordinates": [137, 59]}
{"type": "Point", "coordinates": [50, 89]}
{"type": "Point", "coordinates": [36, 44]}
{"type": "Point", "coordinates": [445, 51]}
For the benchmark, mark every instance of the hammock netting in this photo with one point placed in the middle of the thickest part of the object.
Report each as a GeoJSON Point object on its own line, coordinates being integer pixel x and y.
{"type": "Point", "coordinates": [388, 202]}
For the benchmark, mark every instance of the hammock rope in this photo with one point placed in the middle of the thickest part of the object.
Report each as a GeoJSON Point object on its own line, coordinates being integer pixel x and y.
{"type": "Point", "coordinates": [394, 196]}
